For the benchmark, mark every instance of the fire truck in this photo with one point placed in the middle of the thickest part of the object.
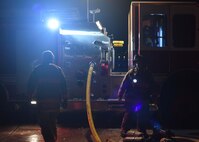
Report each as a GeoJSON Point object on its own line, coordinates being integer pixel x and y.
{"type": "Point", "coordinates": [165, 33]}
{"type": "Point", "coordinates": [76, 44]}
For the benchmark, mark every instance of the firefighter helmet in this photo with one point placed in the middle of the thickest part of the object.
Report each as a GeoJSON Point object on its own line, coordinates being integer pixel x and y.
{"type": "Point", "coordinates": [47, 57]}
{"type": "Point", "coordinates": [139, 61]}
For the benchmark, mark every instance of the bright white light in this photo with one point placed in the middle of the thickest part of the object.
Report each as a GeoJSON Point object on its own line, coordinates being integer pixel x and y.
{"type": "Point", "coordinates": [33, 138]}
{"type": "Point", "coordinates": [53, 24]}
{"type": "Point", "coordinates": [33, 102]}
{"type": "Point", "coordinates": [135, 80]}
{"type": "Point", "coordinates": [99, 25]}
{"type": "Point", "coordinates": [75, 32]}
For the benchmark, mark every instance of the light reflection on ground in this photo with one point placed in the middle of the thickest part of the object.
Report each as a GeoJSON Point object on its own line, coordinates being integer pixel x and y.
{"type": "Point", "coordinates": [33, 138]}
{"type": "Point", "coordinates": [31, 133]}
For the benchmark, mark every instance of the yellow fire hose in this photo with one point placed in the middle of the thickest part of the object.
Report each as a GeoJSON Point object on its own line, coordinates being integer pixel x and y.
{"type": "Point", "coordinates": [88, 105]}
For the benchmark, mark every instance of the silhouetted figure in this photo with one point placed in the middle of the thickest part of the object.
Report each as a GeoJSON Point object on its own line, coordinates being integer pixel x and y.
{"type": "Point", "coordinates": [47, 85]}
{"type": "Point", "coordinates": [139, 90]}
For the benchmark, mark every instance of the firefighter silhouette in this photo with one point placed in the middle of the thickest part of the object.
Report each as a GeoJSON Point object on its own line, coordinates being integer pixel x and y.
{"type": "Point", "coordinates": [47, 85]}
{"type": "Point", "coordinates": [138, 89]}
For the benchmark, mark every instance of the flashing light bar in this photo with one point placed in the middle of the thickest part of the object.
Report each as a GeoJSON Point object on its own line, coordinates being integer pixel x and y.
{"type": "Point", "coordinates": [76, 32]}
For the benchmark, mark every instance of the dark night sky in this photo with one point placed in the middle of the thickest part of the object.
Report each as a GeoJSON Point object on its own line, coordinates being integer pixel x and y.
{"type": "Point", "coordinates": [114, 14]}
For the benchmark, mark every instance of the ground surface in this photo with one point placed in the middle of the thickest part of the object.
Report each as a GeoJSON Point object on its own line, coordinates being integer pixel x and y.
{"type": "Point", "coordinates": [31, 133]}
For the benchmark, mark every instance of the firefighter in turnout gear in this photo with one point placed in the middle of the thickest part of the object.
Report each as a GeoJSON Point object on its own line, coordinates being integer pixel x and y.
{"type": "Point", "coordinates": [138, 89]}
{"type": "Point", "coordinates": [47, 85]}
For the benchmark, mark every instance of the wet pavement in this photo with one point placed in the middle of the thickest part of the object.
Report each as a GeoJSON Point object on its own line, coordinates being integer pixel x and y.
{"type": "Point", "coordinates": [31, 133]}
{"type": "Point", "coordinates": [22, 126]}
